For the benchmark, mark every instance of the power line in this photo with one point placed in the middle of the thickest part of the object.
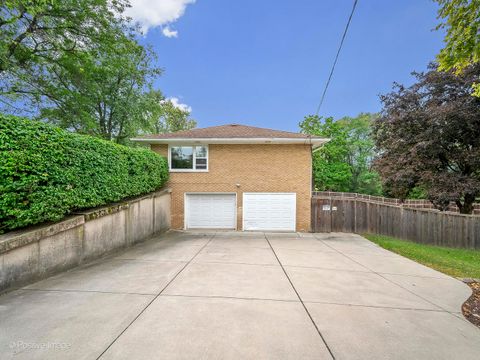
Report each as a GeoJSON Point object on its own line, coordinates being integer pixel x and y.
{"type": "Point", "coordinates": [336, 57]}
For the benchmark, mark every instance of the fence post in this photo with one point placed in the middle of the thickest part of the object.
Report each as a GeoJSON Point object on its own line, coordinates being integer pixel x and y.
{"type": "Point", "coordinates": [355, 214]}
{"type": "Point", "coordinates": [331, 215]}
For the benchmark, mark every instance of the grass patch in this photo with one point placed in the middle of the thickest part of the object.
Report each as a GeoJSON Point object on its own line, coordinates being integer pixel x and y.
{"type": "Point", "coordinates": [455, 262]}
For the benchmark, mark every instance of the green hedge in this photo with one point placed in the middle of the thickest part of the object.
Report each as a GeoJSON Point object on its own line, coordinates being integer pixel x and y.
{"type": "Point", "coordinates": [47, 173]}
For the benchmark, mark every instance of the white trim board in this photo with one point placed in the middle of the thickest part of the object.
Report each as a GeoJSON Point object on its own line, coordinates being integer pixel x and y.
{"type": "Point", "coordinates": [315, 142]}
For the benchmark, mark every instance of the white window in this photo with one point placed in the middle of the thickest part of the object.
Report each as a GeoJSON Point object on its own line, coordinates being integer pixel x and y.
{"type": "Point", "coordinates": [188, 158]}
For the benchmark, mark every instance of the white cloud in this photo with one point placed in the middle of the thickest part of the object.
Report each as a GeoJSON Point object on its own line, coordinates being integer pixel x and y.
{"type": "Point", "coordinates": [169, 32]}
{"type": "Point", "coordinates": [176, 102]}
{"type": "Point", "coordinates": [153, 13]}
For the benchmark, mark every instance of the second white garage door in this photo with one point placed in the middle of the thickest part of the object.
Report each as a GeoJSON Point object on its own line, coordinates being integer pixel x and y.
{"type": "Point", "coordinates": [269, 211]}
{"type": "Point", "coordinates": [210, 211]}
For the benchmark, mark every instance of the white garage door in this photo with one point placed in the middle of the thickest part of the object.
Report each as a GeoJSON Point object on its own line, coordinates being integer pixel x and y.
{"type": "Point", "coordinates": [210, 211]}
{"type": "Point", "coordinates": [269, 211]}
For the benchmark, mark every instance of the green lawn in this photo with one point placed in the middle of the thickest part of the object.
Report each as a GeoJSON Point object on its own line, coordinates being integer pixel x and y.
{"type": "Point", "coordinates": [455, 262]}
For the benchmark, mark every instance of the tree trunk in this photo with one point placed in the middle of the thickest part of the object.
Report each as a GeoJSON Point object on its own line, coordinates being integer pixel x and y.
{"type": "Point", "coordinates": [467, 206]}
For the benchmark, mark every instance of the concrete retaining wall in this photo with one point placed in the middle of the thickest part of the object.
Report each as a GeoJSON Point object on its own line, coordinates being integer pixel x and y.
{"type": "Point", "coordinates": [36, 253]}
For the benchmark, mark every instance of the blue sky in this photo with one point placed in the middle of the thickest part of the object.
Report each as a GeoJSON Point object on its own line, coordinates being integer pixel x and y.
{"type": "Point", "coordinates": [265, 63]}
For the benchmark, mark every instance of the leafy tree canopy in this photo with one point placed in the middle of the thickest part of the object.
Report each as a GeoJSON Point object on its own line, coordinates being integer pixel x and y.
{"type": "Point", "coordinates": [428, 137]}
{"type": "Point", "coordinates": [78, 64]}
{"type": "Point", "coordinates": [37, 33]}
{"type": "Point", "coordinates": [461, 20]}
{"type": "Point", "coordinates": [171, 118]}
{"type": "Point", "coordinates": [108, 94]}
{"type": "Point", "coordinates": [343, 164]}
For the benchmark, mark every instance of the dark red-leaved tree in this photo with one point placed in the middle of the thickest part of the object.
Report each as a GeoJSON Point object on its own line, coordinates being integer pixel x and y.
{"type": "Point", "coordinates": [429, 136]}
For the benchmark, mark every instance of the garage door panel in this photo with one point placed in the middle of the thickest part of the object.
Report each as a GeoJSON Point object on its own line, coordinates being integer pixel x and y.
{"type": "Point", "coordinates": [210, 211]}
{"type": "Point", "coordinates": [269, 211]}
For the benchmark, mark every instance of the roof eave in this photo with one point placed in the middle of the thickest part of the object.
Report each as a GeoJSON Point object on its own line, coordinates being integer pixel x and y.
{"type": "Point", "coordinates": [315, 142]}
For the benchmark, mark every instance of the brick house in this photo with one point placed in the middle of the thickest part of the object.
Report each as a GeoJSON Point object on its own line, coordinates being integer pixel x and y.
{"type": "Point", "coordinates": [238, 177]}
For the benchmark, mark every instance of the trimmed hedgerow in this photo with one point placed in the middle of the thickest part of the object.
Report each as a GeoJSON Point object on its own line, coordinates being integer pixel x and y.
{"type": "Point", "coordinates": [47, 173]}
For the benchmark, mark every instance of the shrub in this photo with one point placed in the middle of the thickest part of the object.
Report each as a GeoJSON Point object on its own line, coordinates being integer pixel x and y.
{"type": "Point", "coordinates": [47, 173]}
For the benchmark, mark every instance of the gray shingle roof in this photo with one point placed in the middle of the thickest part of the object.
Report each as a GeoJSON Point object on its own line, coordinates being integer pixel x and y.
{"type": "Point", "coordinates": [231, 131]}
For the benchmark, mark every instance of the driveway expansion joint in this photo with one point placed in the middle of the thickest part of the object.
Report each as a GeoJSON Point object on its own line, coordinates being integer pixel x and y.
{"type": "Point", "coordinates": [149, 260]}
{"type": "Point", "coordinates": [229, 298]}
{"type": "Point", "coordinates": [327, 269]}
{"type": "Point", "coordinates": [194, 306]}
{"type": "Point", "coordinates": [236, 247]}
{"type": "Point", "coordinates": [375, 306]}
{"type": "Point", "coordinates": [88, 291]}
{"type": "Point", "coordinates": [233, 263]}
{"type": "Point", "coordinates": [301, 301]}
{"type": "Point", "coordinates": [392, 282]}
{"type": "Point", "coordinates": [154, 298]}
{"type": "Point", "coordinates": [415, 276]}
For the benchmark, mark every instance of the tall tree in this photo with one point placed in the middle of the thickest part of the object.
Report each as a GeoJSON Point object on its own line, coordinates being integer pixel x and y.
{"type": "Point", "coordinates": [361, 153]}
{"type": "Point", "coordinates": [37, 33]}
{"type": "Point", "coordinates": [171, 118]}
{"type": "Point", "coordinates": [77, 64]}
{"type": "Point", "coordinates": [429, 138]}
{"type": "Point", "coordinates": [330, 170]}
{"type": "Point", "coordinates": [461, 20]}
{"type": "Point", "coordinates": [107, 94]}
{"type": "Point", "coordinates": [343, 164]}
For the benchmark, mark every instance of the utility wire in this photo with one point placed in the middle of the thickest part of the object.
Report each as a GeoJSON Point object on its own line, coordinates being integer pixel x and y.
{"type": "Point", "coordinates": [336, 57]}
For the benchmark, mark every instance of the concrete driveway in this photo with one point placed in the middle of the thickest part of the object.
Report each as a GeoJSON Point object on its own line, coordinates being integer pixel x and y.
{"type": "Point", "coordinates": [232, 295]}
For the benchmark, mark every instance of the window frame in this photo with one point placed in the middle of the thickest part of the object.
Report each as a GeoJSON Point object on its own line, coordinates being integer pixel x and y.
{"type": "Point", "coordinates": [194, 160]}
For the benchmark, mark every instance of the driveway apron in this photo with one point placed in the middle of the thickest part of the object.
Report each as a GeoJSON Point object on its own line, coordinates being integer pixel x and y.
{"type": "Point", "coordinates": [242, 295]}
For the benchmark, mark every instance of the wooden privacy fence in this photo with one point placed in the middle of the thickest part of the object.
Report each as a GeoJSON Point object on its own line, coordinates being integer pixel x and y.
{"type": "Point", "coordinates": [426, 226]}
{"type": "Point", "coordinates": [411, 203]}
